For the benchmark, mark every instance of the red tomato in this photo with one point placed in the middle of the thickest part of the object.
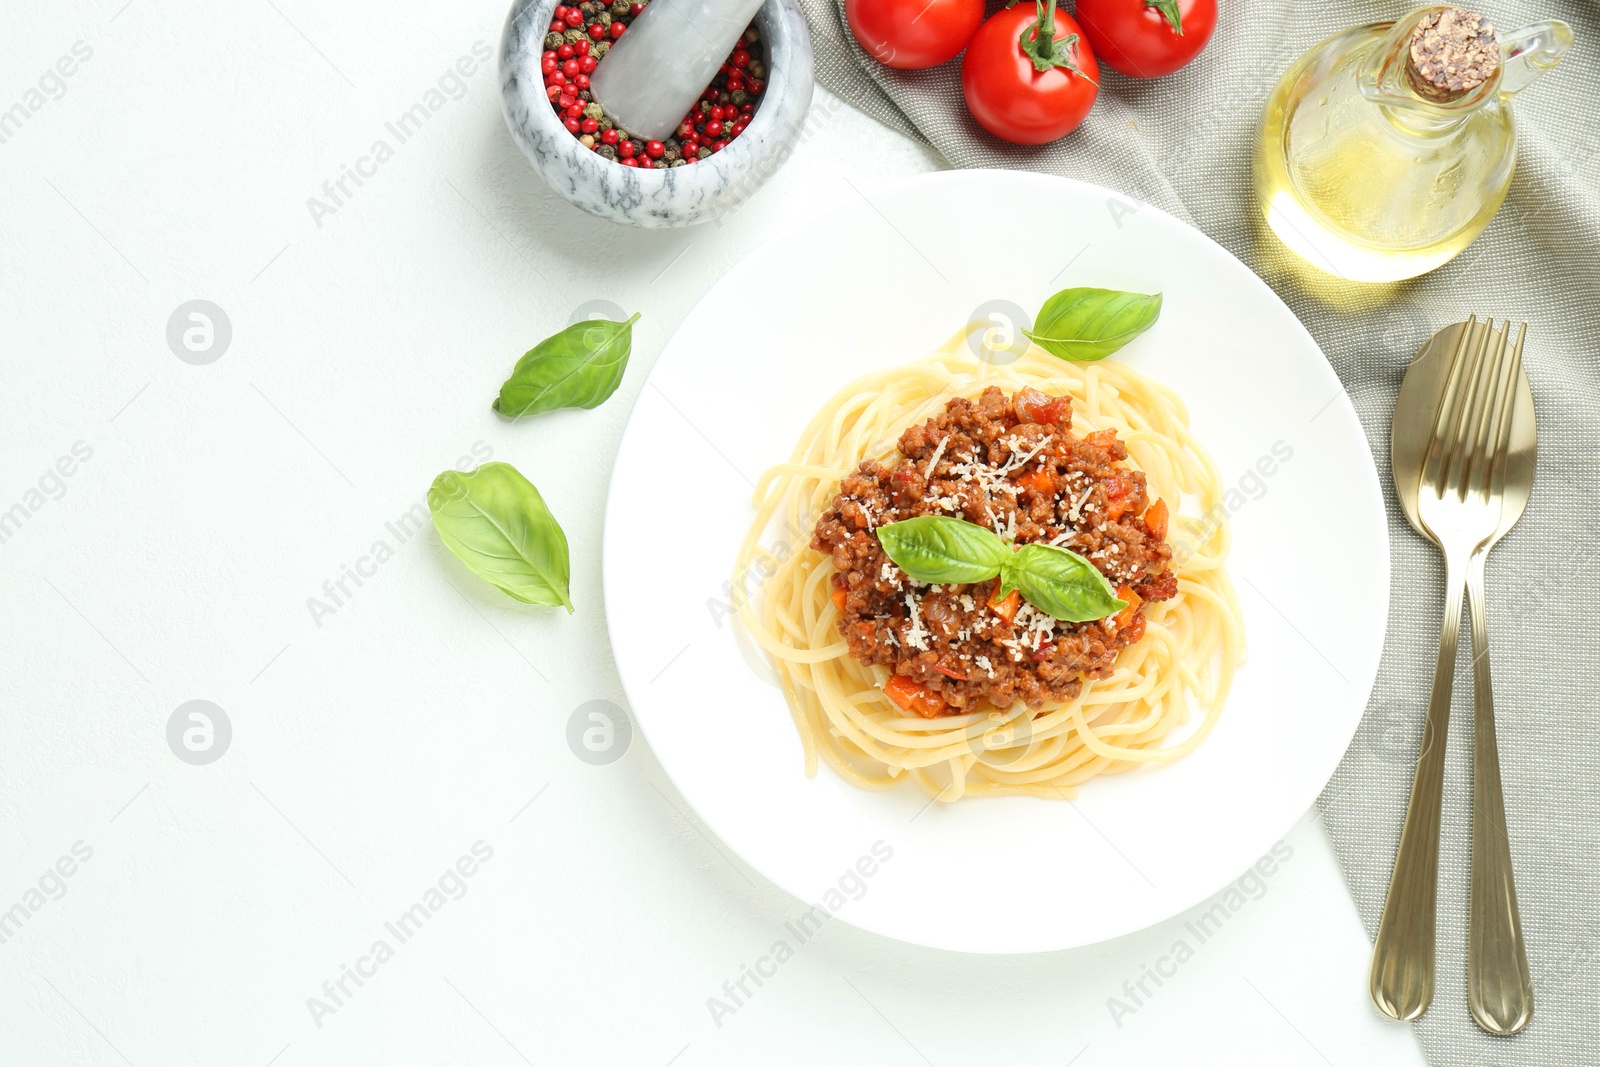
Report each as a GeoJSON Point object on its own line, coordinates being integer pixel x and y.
{"type": "Point", "coordinates": [913, 34]}
{"type": "Point", "coordinates": [1007, 92]}
{"type": "Point", "coordinates": [1137, 37]}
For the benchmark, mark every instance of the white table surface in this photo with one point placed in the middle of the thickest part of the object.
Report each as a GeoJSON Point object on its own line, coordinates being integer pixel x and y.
{"type": "Point", "coordinates": [374, 744]}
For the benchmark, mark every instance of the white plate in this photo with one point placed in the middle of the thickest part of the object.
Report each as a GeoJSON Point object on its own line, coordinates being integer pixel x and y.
{"type": "Point", "coordinates": [883, 279]}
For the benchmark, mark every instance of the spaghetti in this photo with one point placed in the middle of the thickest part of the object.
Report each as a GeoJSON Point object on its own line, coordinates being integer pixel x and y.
{"type": "Point", "coordinates": [1138, 715]}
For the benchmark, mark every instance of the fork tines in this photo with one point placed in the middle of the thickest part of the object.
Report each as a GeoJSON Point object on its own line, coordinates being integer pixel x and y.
{"type": "Point", "coordinates": [1472, 428]}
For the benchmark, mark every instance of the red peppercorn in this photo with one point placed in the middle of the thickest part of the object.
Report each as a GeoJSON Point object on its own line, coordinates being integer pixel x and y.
{"type": "Point", "coordinates": [570, 67]}
{"type": "Point", "coordinates": [566, 101]}
{"type": "Point", "coordinates": [740, 58]}
{"type": "Point", "coordinates": [629, 161]}
{"type": "Point", "coordinates": [558, 25]}
{"type": "Point", "coordinates": [581, 81]}
{"type": "Point", "coordinates": [654, 149]}
{"type": "Point", "coordinates": [616, 30]}
{"type": "Point", "coordinates": [714, 128]}
{"type": "Point", "coordinates": [754, 86]}
{"type": "Point", "coordinates": [590, 125]}
{"type": "Point", "coordinates": [717, 146]}
{"type": "Point", "coordinates": [552, 92]}
{"type": "Point", "coordinates": [625, 149]}
{"type": "Point", "coordinates": [588, 63]}
{"type": "Point", "coordinates": [581, 47]}
{"type": "Point", "coordinates": [572, 124]}
{"type": "Point", "coordinates": [608, 137]}
{"type": "Point", "coordinates": [560, 12]}
{"type": "Point", "coordinates": [634, 9]}
{"type": "Point", "coordinates": [564, 52]}
{"type": "Point", "coordinates": [574, 17]}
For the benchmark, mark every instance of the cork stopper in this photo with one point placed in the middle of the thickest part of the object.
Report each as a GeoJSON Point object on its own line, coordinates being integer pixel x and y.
{"type": "Point", "coordinates": [1453, 51]}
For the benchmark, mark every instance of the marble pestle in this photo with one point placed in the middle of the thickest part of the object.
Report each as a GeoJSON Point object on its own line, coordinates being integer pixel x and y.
{"type": "Point", "coordinates": [656, 71]}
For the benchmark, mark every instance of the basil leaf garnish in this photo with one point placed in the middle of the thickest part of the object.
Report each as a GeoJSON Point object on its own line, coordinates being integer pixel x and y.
{"type": "Point", "coordinates": [580, 367]}
{"type": "Point", "coordinates": [1083, 325]}
{"type": "Point", "coordinates": [496, 522]}
{"type": "Point", "coordinates": [943, 550]}
{"type": "Point", "coordinates": [1060, 582]}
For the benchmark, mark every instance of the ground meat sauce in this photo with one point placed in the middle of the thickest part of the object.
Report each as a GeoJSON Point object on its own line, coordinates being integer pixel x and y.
{"type": "Point", "coordinates": [1011, 464]}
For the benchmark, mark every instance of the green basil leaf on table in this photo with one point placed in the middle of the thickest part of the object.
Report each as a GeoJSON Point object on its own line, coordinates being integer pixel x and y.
{"type": "Point", "coordinates": [580, 367]}
{"type": "Point", "coordinates": [496, 522]}
{"type": "Point", "coordinates": [943, 550]}
{"type": "Point", "coordinates": [1083, 325]}
{"type": "Point", "coordinates": [1060, 582]}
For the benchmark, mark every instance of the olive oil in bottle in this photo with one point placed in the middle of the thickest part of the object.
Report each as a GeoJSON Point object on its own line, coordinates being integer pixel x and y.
{"type": "Point", "coordinates": [1385, 150]}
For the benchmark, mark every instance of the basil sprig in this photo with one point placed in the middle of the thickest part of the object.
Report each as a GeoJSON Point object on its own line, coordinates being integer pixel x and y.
{"type": "Point", "coordinates": [580, 367]}
{"type": "Point", "coordinates": [944, 550]}
{"type": "Point", "coordinates": [496, 522]}
{"type": "Point", "coordinates": [1083, 325]}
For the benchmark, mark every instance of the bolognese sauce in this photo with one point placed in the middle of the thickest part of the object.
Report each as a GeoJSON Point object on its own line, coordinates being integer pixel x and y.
{"type": "Point", "coordinates": [1011, 464]}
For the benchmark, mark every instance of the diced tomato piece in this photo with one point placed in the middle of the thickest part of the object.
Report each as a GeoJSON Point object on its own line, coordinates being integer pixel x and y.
{"type": "Point", "coordinates": [1006, 607]}
{"type": "Point", "coordinates": [912, 697]}
{"type": "Point", "coordinates": [1106, 439]}
{"type": "Point", "coordinates": [1045, 650]}
{"type": "Point", "coordinates": [950, 672]}
{"type": "Point", "coordinates": [1033, 406]}
{"type": "Point", "coordinates": [1039, 481]}
{"type": "Point", "coordinates": [1155, 520]}
{"type": "Point", "coordinates": [837, 596]}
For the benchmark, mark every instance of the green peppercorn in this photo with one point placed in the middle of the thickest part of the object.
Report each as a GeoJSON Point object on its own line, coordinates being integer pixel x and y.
{"type": "Point", "coordinates": [553, 40]}
{"type": "Point", "coordinates": [705, 153]}
{"type": "Point", "coordinates": [594, 111]}
{"type": "Point", "coordinates": [599, 49]}
{"type": "Point", "coordinates": [619, 8]}
{"type": "Point", "coordinates": [605, 122]}
{"type": "Point", "coordinates": [739, 96]}
{"type": "Point", "coordinates": [757, 69]}
{"type": "Point", "coordinates": [604, 18]}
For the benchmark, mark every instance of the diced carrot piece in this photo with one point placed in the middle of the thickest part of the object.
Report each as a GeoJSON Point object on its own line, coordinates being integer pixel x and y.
{"type": "Point", "coordinates": [1039, 481]}
{"type": "Point", "coordinates": [837, 596]}
{"type": "Point", "coordinates": [1006, 607]}
{"type": "Point", "coordinates": [1119, 491]}
{"type": "Point", "coordinates": [1125, 616]}
{"type": "Point", "coordinates": [1155, 520]}
{"type": "Point", "coordinates": [912, 697]}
